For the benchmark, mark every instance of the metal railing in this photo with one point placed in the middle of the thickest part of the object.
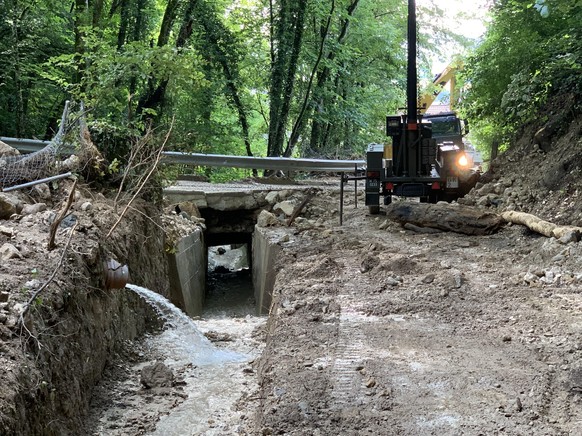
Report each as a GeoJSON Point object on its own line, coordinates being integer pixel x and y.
{"type": "Point", "coordinates": [221, 160]}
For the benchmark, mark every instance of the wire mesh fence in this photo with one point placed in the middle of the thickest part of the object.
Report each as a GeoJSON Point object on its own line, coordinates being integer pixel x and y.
{"type": "Point", "coordinates": [72, 137]}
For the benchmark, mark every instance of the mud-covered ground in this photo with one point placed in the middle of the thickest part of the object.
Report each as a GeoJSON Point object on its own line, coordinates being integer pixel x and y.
{"type": "Point", "coordinates": [383, 331]}
{"type": "Point", "coordinates": [393, 332]}
{"type": "Point", "coordinates": [376, 329]}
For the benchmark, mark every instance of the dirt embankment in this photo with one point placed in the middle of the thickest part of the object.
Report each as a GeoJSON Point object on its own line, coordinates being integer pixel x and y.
{"type": "Point", "coordinates": [545, 181]}
{"type": "Point", "coordinates": [51, 364]}
{"type": "Point", "coordinates": [376, 329]}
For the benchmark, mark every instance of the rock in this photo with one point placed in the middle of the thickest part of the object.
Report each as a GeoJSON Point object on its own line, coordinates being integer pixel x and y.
{"type": "Point", "coordinates": [483, 201]}
{"type": "Point", "coordinates": [267, 219]}
{"type": "Point", "coordinates": [189, 207]}
{"type": "Point", "coordinates": [498, 188]}
{"type": "Point", "coordinates": [486, 190]}
{"type": "Point", "coordinates": [384, 225]}
{"type": "Point", "coordinates": [371, 382]}
{"type": "Point", "coordinates": [156, 376]}
{"type": "Point", "coordinates": [272, 197]}
{"type": "Point", "coordinates": [458, 279]}
{"type": "Point", "coordinates": [369, 263]}
{"type": "Point", "coordinates": [33, 284]}
{"type": "Point", "coordinates": [42, 190]}
{"type": "Point", "coordinates": [87, 205]}
{"type": "Point", "coordinates": [4, 296]}
{"type": "Point", "coordinates": [530, 278]}
{"type": "Point", "coordinates": [9, 205]}
{"type": "Point", "coordinates": [429, 278]}
{"type": "Point", "coordinates": [71, 163]}
{"type": "Point", "coordinates": [68, 221]}
{"type": "Point", "coordinates": [9, 251]}
{"type": "Point", "coordinates": [391, 281]}
{"type": "Point", "coordinates": [11, 321]}
{"type": "Point", "coordinates": [6, 231]}
{"type": "Point", "coordinates": [287, 207]}
{"type": "Point", "coordinates": [31, 209]}
{"type": "Point", "coordinates": [6, 150]}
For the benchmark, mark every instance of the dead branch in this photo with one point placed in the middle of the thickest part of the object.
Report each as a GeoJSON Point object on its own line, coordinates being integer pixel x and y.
{"type": "Point", "coordinates": [139, 156]}
{"type": "Point", "coordinates": [539, 225]}
{"type": "Point", "coordinates": [300, 208]}
{"type": "Point", "coordinates": [446, 217]}
{"type": "Point", "coordinates": [143, 182]}
{"type": "Point", "coordinates": [55, 224]}
{"type": "Point", "coordinates": [90, 157]}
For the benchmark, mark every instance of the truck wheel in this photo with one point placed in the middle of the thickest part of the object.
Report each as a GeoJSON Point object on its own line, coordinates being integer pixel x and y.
{"type": "Point", "coordinates": [434, 197]}
{"type": "Point", "coordinates": [374, 210]}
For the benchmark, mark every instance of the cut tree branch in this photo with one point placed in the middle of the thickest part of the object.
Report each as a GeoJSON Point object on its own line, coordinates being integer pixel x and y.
{"type": "Point", "coordinates": [145, 180]}
{"type": "Point", "coordinates": [55, 225]}
{"type": "Point", "coordinates": [540, 226]}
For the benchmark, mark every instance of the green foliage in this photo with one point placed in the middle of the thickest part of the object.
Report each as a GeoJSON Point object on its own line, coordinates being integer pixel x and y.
{"type": "Point", "coordinates": [531, 52]}
{"type": "Point", "coordinates": [209, 67]}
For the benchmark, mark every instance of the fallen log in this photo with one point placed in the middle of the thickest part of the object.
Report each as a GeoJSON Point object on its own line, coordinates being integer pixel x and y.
{"type": "Point", "coordinates": [541, 226]}
{"type": "Point", "coordinates": [443, 216]}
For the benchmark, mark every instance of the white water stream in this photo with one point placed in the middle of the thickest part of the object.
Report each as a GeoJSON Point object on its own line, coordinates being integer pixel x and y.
{"type": "Point", "coordinates": [181, 341]}
{"type": "Point", "coordinates": [214, 378]}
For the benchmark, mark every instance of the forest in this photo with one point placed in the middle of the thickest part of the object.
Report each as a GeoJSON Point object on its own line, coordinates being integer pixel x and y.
{"type": "Point", "coordinates": [311, 78]}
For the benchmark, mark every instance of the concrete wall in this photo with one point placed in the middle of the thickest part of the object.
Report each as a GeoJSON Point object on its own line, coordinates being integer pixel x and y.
{"type": "Point", "coordinates": [265, 253]}
{"type": "Point", "coordinates": [187, 270]}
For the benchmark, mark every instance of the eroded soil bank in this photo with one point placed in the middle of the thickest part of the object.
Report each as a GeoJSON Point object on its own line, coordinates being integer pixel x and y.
{"type": "Point", "coordinates": [73, 328]}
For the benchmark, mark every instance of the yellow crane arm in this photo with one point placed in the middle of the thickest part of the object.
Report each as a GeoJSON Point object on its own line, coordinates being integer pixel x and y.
{"type": "Point", "coordinates": [446, 76]}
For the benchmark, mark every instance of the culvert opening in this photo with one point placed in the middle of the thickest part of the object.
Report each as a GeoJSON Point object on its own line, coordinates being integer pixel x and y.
{"type": "Point", "coordinates": [229, 282]}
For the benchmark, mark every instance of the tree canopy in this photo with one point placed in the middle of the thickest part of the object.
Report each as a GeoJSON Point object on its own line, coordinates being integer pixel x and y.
{"type": "Point", "coordinates": [531, 53]}
{"type": "Point", "coordinates": [262, 77]}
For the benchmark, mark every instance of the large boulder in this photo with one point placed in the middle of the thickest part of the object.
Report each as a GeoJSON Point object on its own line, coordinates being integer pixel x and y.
{"type": "Point", "coordinates": [6, 150]}
{"type": "Point", "coordinates": [9, 205]}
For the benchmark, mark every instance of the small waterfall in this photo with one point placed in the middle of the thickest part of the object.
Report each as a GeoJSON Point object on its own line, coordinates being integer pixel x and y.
{"type": "Point", "coordinates": [181, 341]}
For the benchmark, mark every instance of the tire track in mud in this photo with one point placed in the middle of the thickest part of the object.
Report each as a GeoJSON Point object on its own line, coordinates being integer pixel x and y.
{"type": "Point", "coordinates": [351, 352]}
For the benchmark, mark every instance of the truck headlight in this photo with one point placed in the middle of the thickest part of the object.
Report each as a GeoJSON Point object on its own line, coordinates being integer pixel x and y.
{"type": "Point", "coordinates": [463, 161]}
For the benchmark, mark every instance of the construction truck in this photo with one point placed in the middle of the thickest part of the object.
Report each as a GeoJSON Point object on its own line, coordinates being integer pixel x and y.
{"type": "Point", "coordinates": [426, 156]}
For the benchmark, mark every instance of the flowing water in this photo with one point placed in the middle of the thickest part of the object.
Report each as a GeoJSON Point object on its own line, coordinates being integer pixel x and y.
{"type": "Point", "coordinates": [181, 340]}
{"type": "Point", "coordinates": [213, 378]}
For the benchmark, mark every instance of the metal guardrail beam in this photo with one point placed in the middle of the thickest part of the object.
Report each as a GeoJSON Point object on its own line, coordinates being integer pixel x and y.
{"type": "Point", "coordinates": [221, 160]}
{"type": "Point", "coordinates": [261, 163]}
{"type": "Point", "coordinates": [25, 145]}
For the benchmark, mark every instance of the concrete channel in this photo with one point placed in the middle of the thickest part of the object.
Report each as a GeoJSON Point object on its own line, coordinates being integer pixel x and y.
{"type": "Point", "coordinates": [230, 213]}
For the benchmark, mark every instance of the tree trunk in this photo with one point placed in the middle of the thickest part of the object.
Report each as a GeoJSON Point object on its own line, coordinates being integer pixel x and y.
{"type": "Point", "coordinates": [216, 33]}
{"type": "Point", "coordinates": [156, 92]}
{"type": "Point", "coordinates": [319, 130]}
{"type": "Point", "coordinates": [300, 122]}
{"type": "Point", "coordinates": [540, 226]}
{"type": "Point", "coordinates": [447, 217]}
{"type": "Point", "coordinates": [289, 27]}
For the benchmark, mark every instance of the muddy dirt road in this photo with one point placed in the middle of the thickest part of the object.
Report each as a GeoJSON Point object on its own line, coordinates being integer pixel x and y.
{"type": "Point", "coordinates": [379, 330]}
{"type": "Point", "coordinates": [383, 331]}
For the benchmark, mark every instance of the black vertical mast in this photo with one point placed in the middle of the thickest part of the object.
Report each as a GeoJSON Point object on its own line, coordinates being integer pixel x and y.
{"type": "Point", "coordinates": [412, 104]}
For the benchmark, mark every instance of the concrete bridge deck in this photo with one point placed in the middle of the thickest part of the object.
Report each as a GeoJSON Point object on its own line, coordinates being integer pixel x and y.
{"type": "Point", "coordinates": [235, 196]}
